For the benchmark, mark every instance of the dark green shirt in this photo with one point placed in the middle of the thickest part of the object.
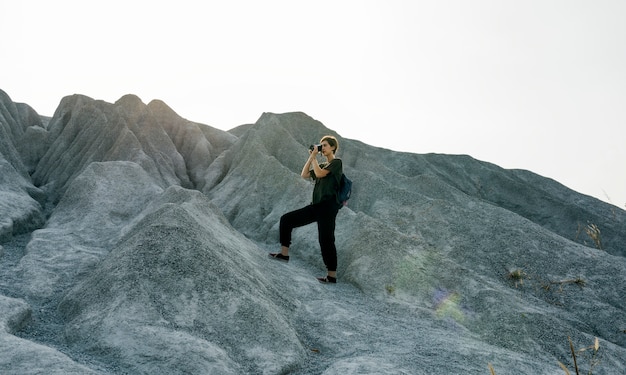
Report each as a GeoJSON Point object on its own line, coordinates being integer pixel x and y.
{"type": "Point", "coordinates": [327, 188]}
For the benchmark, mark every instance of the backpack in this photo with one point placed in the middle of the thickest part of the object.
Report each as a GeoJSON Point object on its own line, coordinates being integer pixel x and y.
{"type": "Point", "coordinates": [345, 189]}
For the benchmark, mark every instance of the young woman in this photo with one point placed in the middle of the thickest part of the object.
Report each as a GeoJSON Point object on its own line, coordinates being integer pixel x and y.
{"type": "Point", "coordinates": [323, 208]}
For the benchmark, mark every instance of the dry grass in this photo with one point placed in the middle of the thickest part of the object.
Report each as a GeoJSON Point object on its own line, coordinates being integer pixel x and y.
{"type": "Point", "coordinates": [564, 369]}
{"type": "Point", "coordinates": [593, 362]}
{"type": "Point", "coordinates": [593, 231]}
{"type": "Point", "coordinates": [518, 276]}
{"type": "Point", "coordinates": [577, 281]}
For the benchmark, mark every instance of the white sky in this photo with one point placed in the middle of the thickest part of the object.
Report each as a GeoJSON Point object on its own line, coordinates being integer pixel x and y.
{"type": "Point", "coordinates": [532, 84]}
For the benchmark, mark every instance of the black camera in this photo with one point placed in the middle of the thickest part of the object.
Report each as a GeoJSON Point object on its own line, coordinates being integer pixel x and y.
{"type": "Point", "coordinates": [312, 147]}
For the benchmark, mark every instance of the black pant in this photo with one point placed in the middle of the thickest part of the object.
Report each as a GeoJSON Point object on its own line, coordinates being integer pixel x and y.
{"type": "Point", "coordinates": [324, 213]}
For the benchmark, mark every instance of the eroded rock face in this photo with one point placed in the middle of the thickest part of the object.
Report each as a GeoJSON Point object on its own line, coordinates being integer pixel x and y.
{"type": "Point", "coordinates": [20, 201]}
{"type": "Point", "coordinates": [182, 292]}
{"type": "Point", "coordinates": [20, 356]}
{"type": "Point", "coordinates": [135, 241]}
{"type": "Point", "coordinates": [83, 131]}
{"type": "Point", "coordinates": [96, 210]}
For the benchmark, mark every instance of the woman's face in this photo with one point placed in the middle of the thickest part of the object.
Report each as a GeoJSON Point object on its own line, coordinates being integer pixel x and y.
{"type": "Point", "coordinates": [326, 149]}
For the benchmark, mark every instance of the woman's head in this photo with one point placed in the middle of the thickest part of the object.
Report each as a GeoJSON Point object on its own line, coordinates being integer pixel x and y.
{"type": "Point", "coordinates": [332, 142]}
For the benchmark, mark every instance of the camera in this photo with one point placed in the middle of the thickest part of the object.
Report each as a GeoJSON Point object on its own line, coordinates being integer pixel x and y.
{"type": "Point", "coordinates": [318, 146]}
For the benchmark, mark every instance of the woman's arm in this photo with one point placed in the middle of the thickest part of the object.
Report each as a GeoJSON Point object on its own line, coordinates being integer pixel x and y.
{"type": "Point", "coordinates": [319, 172]}
{"type": "Point", "coordinates": [307, 166]}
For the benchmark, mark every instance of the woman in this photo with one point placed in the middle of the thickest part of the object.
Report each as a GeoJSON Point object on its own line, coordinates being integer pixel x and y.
{"type": "Point", "coordinates": [323, 209]}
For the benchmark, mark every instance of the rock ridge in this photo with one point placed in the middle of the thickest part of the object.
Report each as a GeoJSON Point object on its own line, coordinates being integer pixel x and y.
{"type": "Point", "coordinates": [134, 241]}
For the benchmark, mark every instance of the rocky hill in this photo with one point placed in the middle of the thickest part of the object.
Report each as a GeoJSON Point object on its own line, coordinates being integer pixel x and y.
{"type": "Point", "coordinates": [134, 241]}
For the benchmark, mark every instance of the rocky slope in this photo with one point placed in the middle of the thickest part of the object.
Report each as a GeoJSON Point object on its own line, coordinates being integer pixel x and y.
{"type": "Point", "coordinates": [135, 241]}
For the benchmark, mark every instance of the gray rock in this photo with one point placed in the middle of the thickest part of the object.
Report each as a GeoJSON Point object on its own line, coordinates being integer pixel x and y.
{"type": "Point", "coordinates": [88, 221]}
{"type": "Point", "coordinates": [183, 292]}
{"type": "Point", "coordinates": [199, 144]}
{"type": "Point", "coordinates": [20, 356]}
{"type": "Point", "coordinates": [77, 137]}
{"type": "Point", "coordinates": [20, 210]}
{"type": "Point", "coordinates": [151, 254]}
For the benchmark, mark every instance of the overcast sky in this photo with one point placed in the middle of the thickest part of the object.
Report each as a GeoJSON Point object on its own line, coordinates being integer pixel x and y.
{"type": "Point", "coordinates": [531, 84]}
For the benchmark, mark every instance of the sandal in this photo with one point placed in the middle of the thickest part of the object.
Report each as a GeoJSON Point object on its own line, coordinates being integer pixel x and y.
{"type": "Point", "coordinates": [279, 256]}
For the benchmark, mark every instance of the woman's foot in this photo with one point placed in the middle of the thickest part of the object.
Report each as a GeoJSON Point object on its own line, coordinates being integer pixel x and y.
{"type": "Point", "coordinates": [279, 256]}
{"type": "Point", "coordinates": [327, 280]}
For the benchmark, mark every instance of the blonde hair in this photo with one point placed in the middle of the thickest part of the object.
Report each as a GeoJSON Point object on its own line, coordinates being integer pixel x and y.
{"type": "Point", "coordinates": [332, 141]}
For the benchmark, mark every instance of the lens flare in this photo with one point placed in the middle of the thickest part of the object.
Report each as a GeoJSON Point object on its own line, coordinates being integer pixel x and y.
{"type": "Point", "coordinates": [447, 305]}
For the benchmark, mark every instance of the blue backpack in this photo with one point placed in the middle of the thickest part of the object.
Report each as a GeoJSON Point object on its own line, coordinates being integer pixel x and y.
{"type": "Point", "coordinates": [345, 189]}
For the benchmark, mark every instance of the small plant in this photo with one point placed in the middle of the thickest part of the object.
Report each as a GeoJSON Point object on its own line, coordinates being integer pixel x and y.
{"type": "Point", "coordinates": [593, 231]}
{"type": "Point", "coordinates": [592, 362]}
{"type": "Point", "coordinates": [518, 276]}
{"type": "Point", "coordinates": [390, 289]}
{"type": "Point", "coordinates": [578, 281]}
